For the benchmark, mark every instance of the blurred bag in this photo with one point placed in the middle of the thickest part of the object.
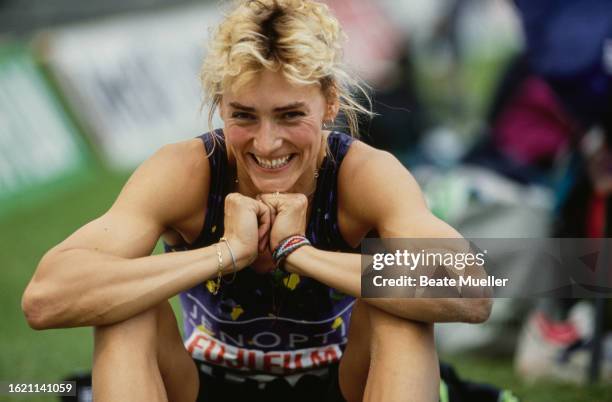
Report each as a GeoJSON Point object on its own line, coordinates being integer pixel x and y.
{"type": "Point", "coordinates": [560, 350]}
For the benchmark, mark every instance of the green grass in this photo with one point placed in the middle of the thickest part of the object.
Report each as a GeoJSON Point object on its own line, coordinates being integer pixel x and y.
{"type": "Point", "coordinates": [30, 355]}
{"type": "Point", "coordinates": [25, 236]}
{"type": "Point", "coordinates": [498, 372]}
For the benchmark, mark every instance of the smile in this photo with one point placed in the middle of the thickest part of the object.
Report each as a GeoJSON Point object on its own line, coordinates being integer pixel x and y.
{"type": "Point", "coordinates": [276, 163]}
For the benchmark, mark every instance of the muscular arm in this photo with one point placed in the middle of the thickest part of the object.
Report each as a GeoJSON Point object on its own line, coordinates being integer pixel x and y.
{"type": "Point", "coordinates": [342, 271]}
{"type": "Point", "coordinates": [103, 273]}
{"type": "Point", "coordinates": [396, 209]}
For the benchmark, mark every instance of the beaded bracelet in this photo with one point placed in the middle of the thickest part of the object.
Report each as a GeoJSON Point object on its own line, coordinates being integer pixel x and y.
{"type": "Point", "coordinates": [286, 247]}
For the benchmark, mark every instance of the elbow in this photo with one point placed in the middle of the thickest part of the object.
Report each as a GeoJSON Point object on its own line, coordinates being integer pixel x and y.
{"type": "Point", "coordinates": [42, 309]}
{"type": "Point", "coordinates": [478, 310]}
{"type": "Point", "coordinates": [34, 308]}
{"type": "Point", "coordinates": [43, 301]}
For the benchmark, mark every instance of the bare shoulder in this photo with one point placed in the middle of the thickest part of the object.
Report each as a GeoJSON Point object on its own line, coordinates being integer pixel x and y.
{"type": "Point", "coordinates": [171, 185]}
{"type": "Point", "coordinates": [371, 180]}
{"type": "Point", "coordinates": [168, 189]}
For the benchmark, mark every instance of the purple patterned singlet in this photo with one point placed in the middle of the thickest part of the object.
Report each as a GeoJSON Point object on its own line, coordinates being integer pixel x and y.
{"type": "Point", "coordinates": [276, 323]}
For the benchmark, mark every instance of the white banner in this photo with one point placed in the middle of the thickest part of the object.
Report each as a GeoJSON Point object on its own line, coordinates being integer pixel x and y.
{"type": "Point", "coordinates": [135, 79]}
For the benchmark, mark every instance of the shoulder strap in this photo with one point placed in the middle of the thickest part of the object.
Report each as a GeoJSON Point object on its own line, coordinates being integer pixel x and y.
{"type": "Point", "coordinates": [212, 230]}
{"type": "Point", "coordinates": [323, 230]}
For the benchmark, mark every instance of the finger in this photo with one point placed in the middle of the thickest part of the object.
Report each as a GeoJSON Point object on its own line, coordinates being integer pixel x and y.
{"type": "Point", "coordinates": [264, 206]}
{"type": "Point", "coordinates": [265, 242]}
{"type": "Point", "coordinates": [272, 216]}
{"type": "Point", "coordinates": [284, 202]}
{"type": "Point", "coordinates": [263, 234]}
{"type": "Point", "coordinates": [274, 202]}
{"type": "Point", "coordinates": [271, 199]}
{"type": "Point", "coordinates": [263, 218]}
{"type": "Point", "coordinates": [269, 202]}
{"type": "Point", "coordinates": [264, 227]}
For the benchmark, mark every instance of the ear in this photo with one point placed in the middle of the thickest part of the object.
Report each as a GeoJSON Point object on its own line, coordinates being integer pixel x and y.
{"type": "Point", "coordinates": [332, 110]}
{"type": "Point", "coordinates": [330, 92]}
{"type": "Point", "coordinates": [333, 105]}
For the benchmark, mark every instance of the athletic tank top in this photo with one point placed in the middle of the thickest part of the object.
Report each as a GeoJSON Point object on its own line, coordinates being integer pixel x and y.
{"type": "Point", "coordinates": [276, 323]}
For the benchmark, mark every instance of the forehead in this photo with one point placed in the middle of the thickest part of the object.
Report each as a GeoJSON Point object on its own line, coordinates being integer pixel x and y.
{"type": "Point", "coordinates": [271, 90]}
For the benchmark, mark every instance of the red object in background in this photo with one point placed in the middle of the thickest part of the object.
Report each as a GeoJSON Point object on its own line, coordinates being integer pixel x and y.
{"type": "Point", "coordinates": [556, 332]}
{"type": "Point", "coordinates": [596, 217]}
{"type": "Point", "coordinates": [534, 127]}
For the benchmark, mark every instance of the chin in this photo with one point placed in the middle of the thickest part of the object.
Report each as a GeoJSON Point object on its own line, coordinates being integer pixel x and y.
{"type": "Point", "coordinates": [271, 186]}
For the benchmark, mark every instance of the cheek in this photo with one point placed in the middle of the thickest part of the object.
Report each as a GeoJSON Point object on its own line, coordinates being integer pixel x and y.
{"type": "Point", "coordinates": [237, 136]}
{"type": "Point", "coordinates": [304, 136]}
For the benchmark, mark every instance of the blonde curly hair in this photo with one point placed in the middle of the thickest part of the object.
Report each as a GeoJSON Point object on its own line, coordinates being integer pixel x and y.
{"type": "Point", "coordinates": [300, 38]}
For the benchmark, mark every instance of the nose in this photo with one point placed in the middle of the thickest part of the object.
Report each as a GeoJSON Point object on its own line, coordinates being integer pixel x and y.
{"type": "Point", "coordinates": [267, 138]}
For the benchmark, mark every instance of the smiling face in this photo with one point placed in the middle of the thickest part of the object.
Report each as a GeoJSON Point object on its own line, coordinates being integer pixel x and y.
{"type": "Point", "coordinates": [273, 129]}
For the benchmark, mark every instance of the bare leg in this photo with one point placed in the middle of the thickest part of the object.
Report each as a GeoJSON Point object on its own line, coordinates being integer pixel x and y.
{"type": "Point", "coordinates": [397, 356]}
{"type": "Point", "coordinates": [143, 359]}
{"type": "Point", "coordinates": [355, 363]}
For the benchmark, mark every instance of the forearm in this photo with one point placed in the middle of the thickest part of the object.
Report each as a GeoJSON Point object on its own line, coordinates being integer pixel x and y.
{"type": "Point", "coordinates": [342, 271]}
{"type": "Point", "coordinates": [81, 287]}
{"type": "Point", "coordinates": [436, 309]}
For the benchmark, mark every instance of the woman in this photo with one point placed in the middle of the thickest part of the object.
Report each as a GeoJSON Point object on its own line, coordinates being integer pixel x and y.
{"type": "Point", "coordinates": [273, 173]}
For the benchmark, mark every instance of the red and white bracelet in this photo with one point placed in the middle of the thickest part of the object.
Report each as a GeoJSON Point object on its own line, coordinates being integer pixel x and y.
{"type": "Point", "coordinates": [286, 247]}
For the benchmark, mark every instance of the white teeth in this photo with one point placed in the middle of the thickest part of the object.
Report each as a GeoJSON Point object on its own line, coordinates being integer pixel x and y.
{"type": "Point", "coordinates": [272, 163]}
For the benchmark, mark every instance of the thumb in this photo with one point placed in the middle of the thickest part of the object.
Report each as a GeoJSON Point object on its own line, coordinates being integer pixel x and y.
{"type": "Point", "coordinates": [264, 221]}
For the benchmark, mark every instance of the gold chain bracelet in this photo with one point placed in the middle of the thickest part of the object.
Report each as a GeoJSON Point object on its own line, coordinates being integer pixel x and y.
{"type": "Point", "coordinates": [219, 269]}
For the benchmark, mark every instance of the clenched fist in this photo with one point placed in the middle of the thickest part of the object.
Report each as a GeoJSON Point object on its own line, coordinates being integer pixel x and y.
{"type": "Point", "coordinates": [287, 214]}
{"type": "Point", "coordinates": [247, 227]}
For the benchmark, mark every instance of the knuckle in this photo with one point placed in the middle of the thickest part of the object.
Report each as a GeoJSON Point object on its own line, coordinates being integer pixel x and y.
{"type": "Point", "coordinates": [301, 200]}
{"type": "Point", "coordinates": [232, 198]}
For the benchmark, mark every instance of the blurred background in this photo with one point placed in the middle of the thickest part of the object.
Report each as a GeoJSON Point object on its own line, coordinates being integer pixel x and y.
{"type": "Point", "coordinates": [501, 109]}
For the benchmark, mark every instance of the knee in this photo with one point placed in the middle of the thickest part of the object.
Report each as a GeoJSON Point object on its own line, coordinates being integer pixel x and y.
{"type": "Point", "coordinates": [138, 331]}
{"type": "Point", "coordinates": [387, 329]}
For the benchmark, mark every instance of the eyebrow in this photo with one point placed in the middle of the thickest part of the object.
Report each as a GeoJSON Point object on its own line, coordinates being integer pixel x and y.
{"type": "Point", "coordinates": [237, 105]}
{"type": "Point", "coordinates": [294, 105]}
